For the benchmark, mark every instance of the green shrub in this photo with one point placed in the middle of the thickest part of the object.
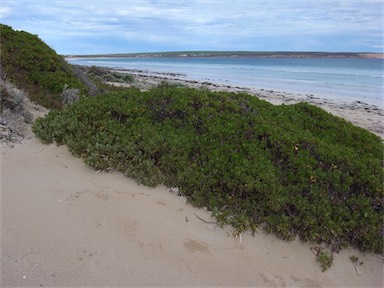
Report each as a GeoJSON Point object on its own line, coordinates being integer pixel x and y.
{"type": "Point", "coordinates": [296, 169]}
{"type": "Point", "coordinates": [106, 74]}
{"type": "Point", "coordinates": [324, 257]}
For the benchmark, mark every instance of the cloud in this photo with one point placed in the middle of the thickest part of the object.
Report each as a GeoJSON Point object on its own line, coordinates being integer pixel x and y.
{"type": "Point", "coordinates": [197, 24]}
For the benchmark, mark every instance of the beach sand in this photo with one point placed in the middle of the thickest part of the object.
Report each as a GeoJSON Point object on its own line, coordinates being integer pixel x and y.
{"type": "Point", "coordinates": [64, 224]}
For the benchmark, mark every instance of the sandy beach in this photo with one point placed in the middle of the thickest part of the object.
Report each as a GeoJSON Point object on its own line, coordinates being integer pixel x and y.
{"type": "Point", "coordinates": [64, 224]}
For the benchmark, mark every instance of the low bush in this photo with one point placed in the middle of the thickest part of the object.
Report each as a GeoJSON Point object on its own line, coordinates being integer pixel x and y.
{"type": "Point", "coordinates": [69, 95]}
{"type": "Point", "coordinates": [325, 258]}
{"type": "Point", "coordinates": [12, 100]}
{"type": "Point", "coordinates": [13, 115]}
{"type": "Point", "coordinates": [295, 170]}
{"type": "Point", "coordinates": [107, 75]}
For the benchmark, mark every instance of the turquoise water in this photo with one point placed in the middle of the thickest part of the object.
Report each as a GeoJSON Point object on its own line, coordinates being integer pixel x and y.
{"type": "Point", "coordinates": [330, 77]}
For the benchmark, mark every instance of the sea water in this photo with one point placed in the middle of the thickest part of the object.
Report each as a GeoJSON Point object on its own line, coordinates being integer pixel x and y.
{"type": "Point", "coordinates": [359, 78]}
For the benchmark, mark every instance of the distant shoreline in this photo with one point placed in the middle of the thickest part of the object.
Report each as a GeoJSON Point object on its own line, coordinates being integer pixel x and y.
{"type": "Point", "coordinates": [236, 54]}
{"type": "Point", "coordinates": [365, 114]}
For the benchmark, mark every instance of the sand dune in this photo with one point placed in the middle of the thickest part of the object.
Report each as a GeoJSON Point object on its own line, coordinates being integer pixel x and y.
{"type": "Point", "coordinates": [64, 224]}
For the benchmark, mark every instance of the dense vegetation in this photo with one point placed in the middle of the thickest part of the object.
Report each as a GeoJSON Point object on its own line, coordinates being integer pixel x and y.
{"type": "Point", "coordinates": [102, 74]}
{"type": "Point", "coordinates": [36, 68]}
{"type": "Point", "coordinates": [294, 170]}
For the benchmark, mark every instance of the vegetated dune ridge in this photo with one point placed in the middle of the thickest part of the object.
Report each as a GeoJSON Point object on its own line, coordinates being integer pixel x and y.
{"type": "Point", "coordinates": [33, 66]}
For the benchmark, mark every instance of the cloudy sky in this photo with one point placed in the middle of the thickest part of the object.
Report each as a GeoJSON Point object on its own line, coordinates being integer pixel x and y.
{"type": "Point", "coordinates": [123, 26]}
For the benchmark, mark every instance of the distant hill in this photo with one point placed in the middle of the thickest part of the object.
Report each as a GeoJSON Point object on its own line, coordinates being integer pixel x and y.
{"type": "Point", "coordinates": [33, 66]}
{"type": "Point", "coordinates": [276, 54]}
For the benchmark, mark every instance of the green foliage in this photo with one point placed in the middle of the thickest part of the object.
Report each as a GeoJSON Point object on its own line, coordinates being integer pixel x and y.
{"type": "Point", "coordinates": [296, 169]}
{"type": "Point", "coordinates": [107, 75]}
{"type": "Point", "coordinates": [354, 259]}
{"type": "Point", "coordinates": [325, 258]}
{"type": "Point", "coordinates": [35, 67]}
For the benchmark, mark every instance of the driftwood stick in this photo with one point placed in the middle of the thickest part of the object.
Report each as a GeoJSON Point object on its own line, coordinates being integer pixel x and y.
{"type": "Point", "coordinates": [357, 269]}
{"type": "Point", "coordinates": [205, 221]}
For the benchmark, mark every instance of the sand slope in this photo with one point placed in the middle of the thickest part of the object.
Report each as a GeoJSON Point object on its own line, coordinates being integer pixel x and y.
{"type": "Point", "coordinates": [63, 224]}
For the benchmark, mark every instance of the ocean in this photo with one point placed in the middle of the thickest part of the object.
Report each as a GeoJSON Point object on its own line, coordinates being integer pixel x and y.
{"type": "Point", "coordinates": [334, 78]}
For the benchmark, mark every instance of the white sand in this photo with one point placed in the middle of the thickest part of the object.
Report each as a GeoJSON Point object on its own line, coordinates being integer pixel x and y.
{"type": "Point", "coordinates": [63, 224]}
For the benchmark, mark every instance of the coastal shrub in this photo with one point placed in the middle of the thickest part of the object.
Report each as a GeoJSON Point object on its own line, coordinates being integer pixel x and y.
{"type": "Point", "coordinates": [13, 114]}
{"type": "Point", "coordinates": [107, 75]}
{"type": "Point", "coordinates": [12, 107]}
{"type": "Point", "coordinates": [324, 257]}
{"type": "Point", "coordinates": [36, 68]}
{"type": "Point", "coordinates": [69, 95]}
{"type": "Point", "coordinates": [11, 97]}
{"type": "Point", "coordinates": [295, 170]}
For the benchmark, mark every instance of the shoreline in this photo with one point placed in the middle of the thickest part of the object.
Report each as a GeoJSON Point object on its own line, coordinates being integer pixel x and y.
{"type": "Point", "coordinates": [367, 113]}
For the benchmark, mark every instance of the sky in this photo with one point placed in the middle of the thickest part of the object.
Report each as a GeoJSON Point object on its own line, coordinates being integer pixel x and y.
{"type": "Point", "coordinates": [128, 26]}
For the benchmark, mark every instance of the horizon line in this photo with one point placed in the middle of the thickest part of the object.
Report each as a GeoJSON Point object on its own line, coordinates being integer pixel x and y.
{"type": "Point", "coordinates": [190, 53]}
